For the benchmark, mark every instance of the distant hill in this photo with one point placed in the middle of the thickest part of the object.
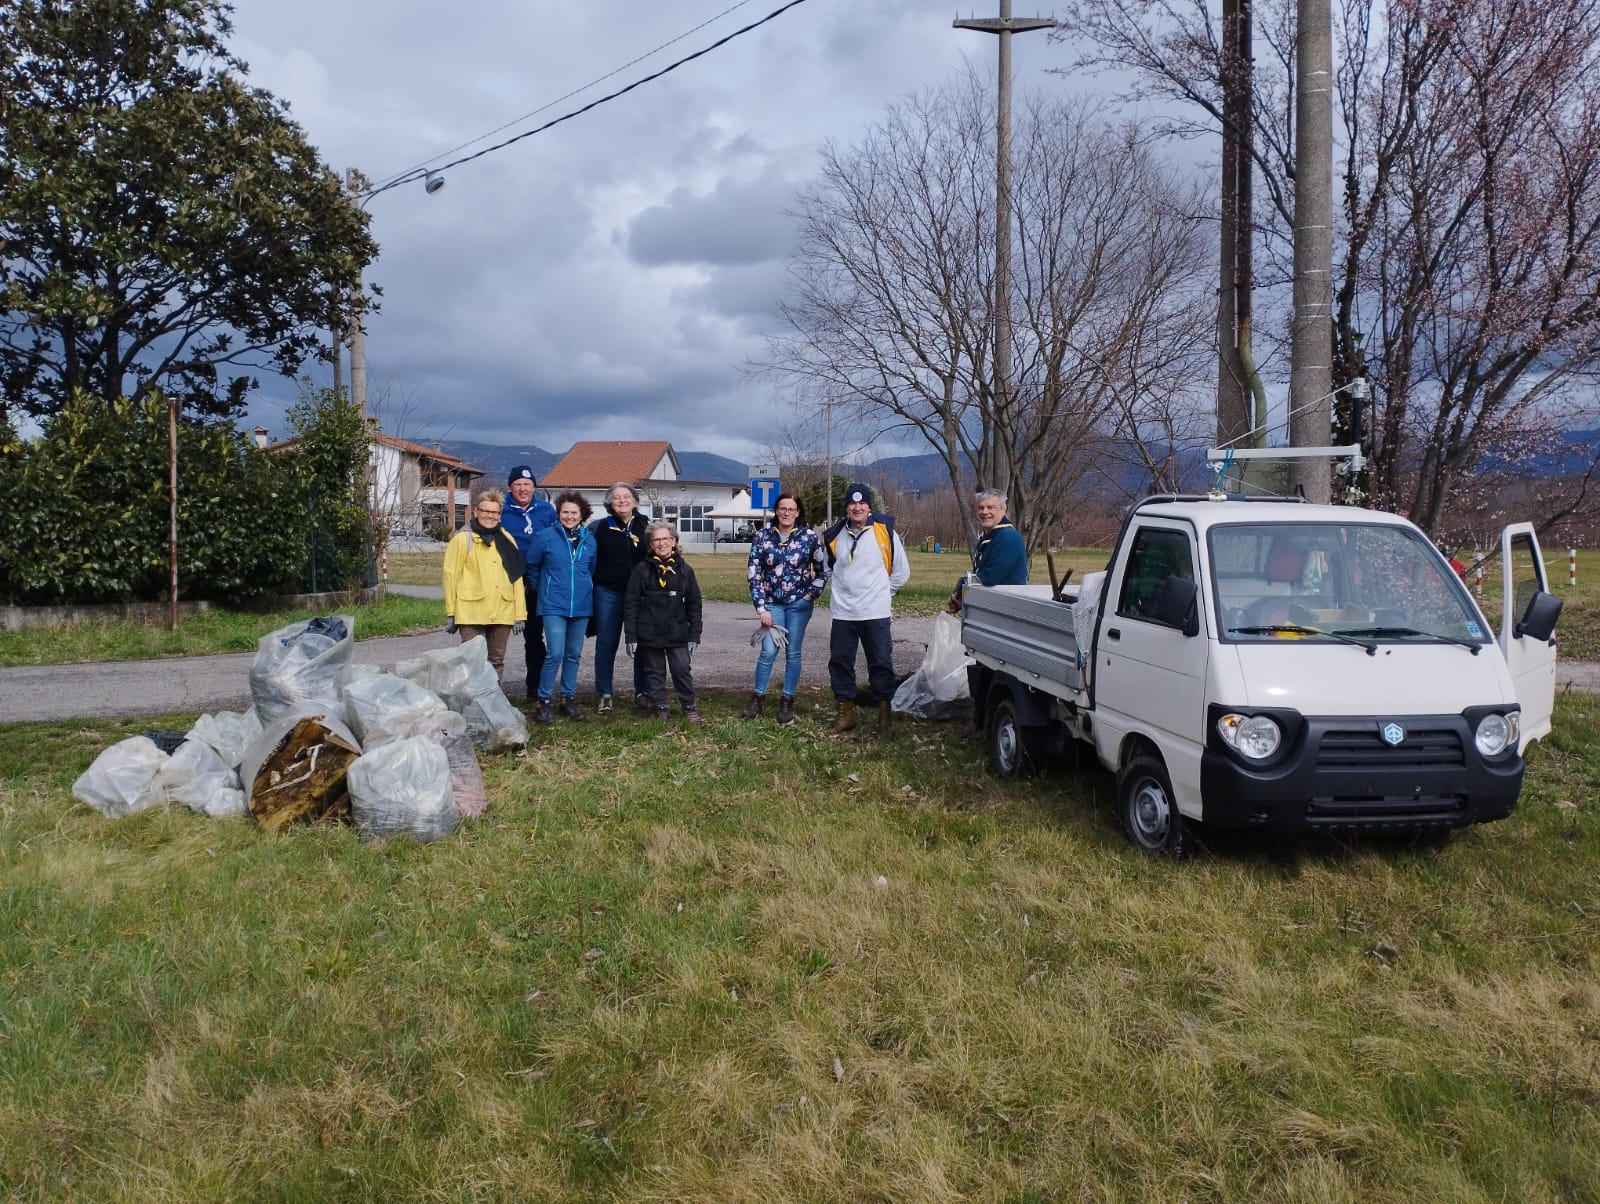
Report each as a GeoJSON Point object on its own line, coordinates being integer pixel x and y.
{"type": "Point", "coordinates": [497, 462]}
{"type": "Point", "coordinates": [703, 466]}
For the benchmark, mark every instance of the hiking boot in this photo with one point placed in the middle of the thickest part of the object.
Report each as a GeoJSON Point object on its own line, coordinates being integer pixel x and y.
{"type": "Point", "coordinates": [543, 714]}
{"type": "Point", "coordinates": [603, 706]}
{"type": "Point", "coordinates": [641, 701]}
{"type": "Point", "coordinates": [752, 709]}
{"type": "Point", "coordinates": [885, 718]}
{"type": "Point", "coordinates": [663, 713]}
{"type": "Point", "coordinates": [786, 708]}
{"type": "Point", "coordinates": [569, 708]}
{"type": "Point", "coordinates": [844, 718]}
{"type": "Point", "coordinates": [692, 715]}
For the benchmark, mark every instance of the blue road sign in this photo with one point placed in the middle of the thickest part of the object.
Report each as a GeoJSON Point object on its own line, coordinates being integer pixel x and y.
{"type": "Point", "coordinates": [763, 492]}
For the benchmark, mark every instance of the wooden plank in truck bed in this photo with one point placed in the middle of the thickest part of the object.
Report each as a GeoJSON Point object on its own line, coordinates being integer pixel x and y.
{"type": "Point", "coordinates": [1024, 632]}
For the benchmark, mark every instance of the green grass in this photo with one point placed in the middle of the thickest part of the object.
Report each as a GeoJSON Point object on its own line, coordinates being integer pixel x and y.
{"type": "Point", "coordinates": [752, 963]}
{"type": "Point", "coordinates": [211, 631]}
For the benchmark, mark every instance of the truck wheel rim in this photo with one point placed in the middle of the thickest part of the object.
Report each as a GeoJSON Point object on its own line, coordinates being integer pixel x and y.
{"type": "Point", "coordinates": [1005, 745]}
{"type": "Point", "coordinates": [1151, 813]}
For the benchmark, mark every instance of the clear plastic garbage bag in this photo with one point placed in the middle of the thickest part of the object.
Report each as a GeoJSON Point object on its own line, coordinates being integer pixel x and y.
{"type": "Point", "coordinates": [462, 677]}
{"type": "Point", "coordinates": [123, 779]}
{"type": "Point", "coordinates": [403, 788]}
{"type": "Point", "coordinates": [301, 667]}
{"type": "Point", "coordinates": [227, 733]}
{"type": "Point", "coordinates": [196, 776]}
{"type": "Point", "coordinates": [938, 689]}
{"type": "Point", "coordinates": [384, 708]}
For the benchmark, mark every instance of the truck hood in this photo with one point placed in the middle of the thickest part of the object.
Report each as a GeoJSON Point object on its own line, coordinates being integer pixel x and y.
{"type": "Point", "coordinates": [1323, 678]}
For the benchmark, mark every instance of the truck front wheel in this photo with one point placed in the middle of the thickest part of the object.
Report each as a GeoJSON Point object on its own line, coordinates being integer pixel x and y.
{"type": "Point", "coordinates": [1015, 751]}
{"type": "Point", "coordinates": [1150, 817]}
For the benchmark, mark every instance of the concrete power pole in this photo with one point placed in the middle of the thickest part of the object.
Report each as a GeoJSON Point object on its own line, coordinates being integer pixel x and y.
{"type": "Point", "coordinates": [356, 184]}
{"type": "Point", "coordinates": [1311, 363]}
{"type": "Point", "coordinates": [1237, 422]}
{"type": "Point", "coordinates": [1003, 26]}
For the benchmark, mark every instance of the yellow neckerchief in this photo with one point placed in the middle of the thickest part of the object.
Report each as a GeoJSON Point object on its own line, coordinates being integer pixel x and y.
{"type": "Point", "coordinates": [628, 530]}
{"type": "Point", "coordinates": [783, 536]}
{"type": "Point", "coordinates": [664, 568]}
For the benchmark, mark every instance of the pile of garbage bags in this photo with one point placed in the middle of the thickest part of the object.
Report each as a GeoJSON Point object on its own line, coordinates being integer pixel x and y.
{"type": "Point", "coordinates": [414, 736]}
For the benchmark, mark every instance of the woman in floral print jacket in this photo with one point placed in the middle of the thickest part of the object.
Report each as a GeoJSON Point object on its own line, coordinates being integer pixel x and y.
{"type": "Point", "coordinates": [788, 570]}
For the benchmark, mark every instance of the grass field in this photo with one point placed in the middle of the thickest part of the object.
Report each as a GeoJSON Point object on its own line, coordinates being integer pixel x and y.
{"type": "Point", "coordinates": [740, 963]}
{"type": "Point", "coordinates": [211, 631]}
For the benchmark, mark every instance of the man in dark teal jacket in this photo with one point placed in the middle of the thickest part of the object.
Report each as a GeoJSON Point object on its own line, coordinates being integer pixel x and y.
{"type": "Point", "coordinates": [1001, 558]}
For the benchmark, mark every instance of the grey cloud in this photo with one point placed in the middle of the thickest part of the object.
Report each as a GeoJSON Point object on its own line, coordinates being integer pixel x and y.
{"type": "Point", "coordinates": [739, 223]}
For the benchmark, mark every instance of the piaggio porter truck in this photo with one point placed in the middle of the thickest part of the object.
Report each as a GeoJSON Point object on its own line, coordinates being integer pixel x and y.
{"type": "Point", "coordinates": [1274, 664]}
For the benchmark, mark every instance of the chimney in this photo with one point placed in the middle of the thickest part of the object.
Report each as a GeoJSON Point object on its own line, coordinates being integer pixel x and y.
{"type": "Point", "coordinates": [261, 436]}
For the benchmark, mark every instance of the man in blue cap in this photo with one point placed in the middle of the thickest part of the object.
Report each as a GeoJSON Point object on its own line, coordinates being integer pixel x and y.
{"type": "Point", "coordinates": [524, 517]}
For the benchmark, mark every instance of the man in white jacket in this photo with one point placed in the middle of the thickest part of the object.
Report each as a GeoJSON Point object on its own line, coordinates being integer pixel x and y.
{"type": "Point", "coordinates": [868, 567]}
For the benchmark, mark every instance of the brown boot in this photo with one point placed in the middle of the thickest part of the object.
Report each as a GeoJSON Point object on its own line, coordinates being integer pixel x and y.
{"type": "Point", "coordinates": [844, 718]}
{"type": "Point", "coordinates": [885, 718]}
{"type": "Point", "coordinates": [786, 708]}
{"type": "Point", "coordinates": [753, 709]}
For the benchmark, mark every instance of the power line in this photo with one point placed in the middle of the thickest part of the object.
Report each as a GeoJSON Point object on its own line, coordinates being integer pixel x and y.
{"type": "Point", "coordinates": [567, 95]}
{"type": "Point", "coordinates": [420, 173]}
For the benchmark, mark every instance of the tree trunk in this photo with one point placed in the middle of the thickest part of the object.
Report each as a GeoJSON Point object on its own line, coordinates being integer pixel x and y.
{"type": "Point", "coordinates": [1311, 362]}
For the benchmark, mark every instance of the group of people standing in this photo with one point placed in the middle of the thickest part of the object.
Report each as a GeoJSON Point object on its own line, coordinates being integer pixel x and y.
{"type": "Point", "coordinates": [525, 565]}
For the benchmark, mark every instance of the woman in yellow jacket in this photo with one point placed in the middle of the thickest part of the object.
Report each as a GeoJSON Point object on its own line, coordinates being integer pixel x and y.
{"type": "Point", "coordinates": [483, 581]}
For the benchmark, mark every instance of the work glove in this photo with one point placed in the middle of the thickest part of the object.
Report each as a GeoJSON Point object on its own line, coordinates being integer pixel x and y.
{"type": "Point", "coordinates": [518, 627]}
{"type": "Point", "coordinates": [692, 647]}
{"type": "Point", "coordinates": [450, 624]}
{"type": "Point", "coordinates": [631, 647]}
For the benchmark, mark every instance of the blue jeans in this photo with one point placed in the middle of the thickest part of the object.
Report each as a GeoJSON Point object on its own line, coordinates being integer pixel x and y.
{"type": "Point", "coordinates": [563, 638]}
{"type": "Point", "coordinates": [793, 619]}
{"type": "Point", "coordinates": [608, 638]}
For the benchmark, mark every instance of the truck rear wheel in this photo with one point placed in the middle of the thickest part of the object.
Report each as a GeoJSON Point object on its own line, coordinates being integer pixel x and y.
{"type": "Point", "coordinates": [1015, 751]}
{"type": "Point", "coordinates": [1149, 815]}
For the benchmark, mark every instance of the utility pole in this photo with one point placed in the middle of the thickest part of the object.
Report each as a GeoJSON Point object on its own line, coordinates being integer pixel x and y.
{"type": "Point", "coordinates": [1311, 354]}
{"type": "Point", "coordinates": [1003, 27]}
{"type": "Point", "coordinates": [1237, 379]}
{"type": "Point", "coordinates": [356, 185]}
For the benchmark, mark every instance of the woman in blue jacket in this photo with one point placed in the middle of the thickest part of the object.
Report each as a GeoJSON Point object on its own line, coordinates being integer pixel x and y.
{"type": "Point", "coordinates": [562, 557]}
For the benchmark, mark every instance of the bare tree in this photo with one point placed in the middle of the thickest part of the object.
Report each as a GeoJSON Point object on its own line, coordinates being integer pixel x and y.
{"type": "Point", "coordinates": [891, 302]}
{"type": "Point", "coordinates": [1466, 262]}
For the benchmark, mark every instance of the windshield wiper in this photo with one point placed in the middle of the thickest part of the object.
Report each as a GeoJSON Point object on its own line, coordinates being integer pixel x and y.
{"type": "Point", "coordinates": [1297, 629]}
{"type": "Point", "coordinates": [1392, 632]}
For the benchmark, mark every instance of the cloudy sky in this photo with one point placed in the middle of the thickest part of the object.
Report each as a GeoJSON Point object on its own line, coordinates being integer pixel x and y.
{"type": "Point", "coordinates": [612, 277]}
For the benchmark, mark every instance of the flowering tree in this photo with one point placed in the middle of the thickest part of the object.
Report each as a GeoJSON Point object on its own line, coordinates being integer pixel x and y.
{"type": "Point", "coordinates": [1467, 260]}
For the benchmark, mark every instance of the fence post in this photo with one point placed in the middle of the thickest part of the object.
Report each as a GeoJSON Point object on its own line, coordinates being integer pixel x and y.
{"type": "Point", "coordinates": [1572, 566]}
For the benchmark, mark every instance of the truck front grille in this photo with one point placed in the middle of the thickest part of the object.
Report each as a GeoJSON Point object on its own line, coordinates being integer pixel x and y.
{"type": "Point", "coordinates": [1364, 748]}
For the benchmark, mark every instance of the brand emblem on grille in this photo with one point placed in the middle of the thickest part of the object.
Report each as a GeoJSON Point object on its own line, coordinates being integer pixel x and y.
{"type": "Point", "coordinates": [1393, 733]}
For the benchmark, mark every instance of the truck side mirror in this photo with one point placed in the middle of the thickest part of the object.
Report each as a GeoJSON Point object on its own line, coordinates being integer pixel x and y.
{"type": "Point", "coordinates": [1175, 605]}
{"type": "Point", "coordinates": [1539, 620]}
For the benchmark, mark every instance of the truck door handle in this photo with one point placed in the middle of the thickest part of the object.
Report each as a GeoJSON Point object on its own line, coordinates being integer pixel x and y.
{"type": "Point", "coordinates": [1113, 633]}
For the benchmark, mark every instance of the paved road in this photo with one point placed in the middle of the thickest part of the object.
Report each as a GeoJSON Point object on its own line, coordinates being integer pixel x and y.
{"type": "Point", "coordinates": [221, 683]}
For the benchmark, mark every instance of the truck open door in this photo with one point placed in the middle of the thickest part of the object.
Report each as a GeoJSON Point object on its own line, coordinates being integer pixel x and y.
{"type": "Point", "coordinates": [1527, 624]}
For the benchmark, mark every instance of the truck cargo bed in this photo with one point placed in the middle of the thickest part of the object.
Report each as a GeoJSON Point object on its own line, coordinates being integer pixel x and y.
{"type": "Point", "coordinates": [1022, 630]}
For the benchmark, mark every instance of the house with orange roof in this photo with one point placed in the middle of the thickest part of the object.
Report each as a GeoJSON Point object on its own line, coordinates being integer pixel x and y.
{"type": "Point", "coordinates": [413, 488]}
{"type": "Point", "coordinates": [651, 467]}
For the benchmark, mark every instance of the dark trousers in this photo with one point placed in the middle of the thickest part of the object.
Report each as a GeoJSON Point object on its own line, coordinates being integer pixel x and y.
{"type": "Point", "coordinates": [533, 644]}
{"type": "Point", "coordinates": [876, 640]}
{"type": "Point", "coordinates": [656, 662]}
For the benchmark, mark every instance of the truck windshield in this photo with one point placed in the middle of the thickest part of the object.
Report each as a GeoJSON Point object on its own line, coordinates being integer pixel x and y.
{"type": "Point", "coordinates": [1295, 581]}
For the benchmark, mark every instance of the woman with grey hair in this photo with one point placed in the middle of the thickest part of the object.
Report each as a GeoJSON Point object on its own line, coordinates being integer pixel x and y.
{"type": "Point", "coordinates": [620, 544]}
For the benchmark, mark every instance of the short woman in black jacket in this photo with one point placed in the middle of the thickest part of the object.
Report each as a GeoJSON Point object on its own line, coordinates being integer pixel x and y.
{"type": "Point", "coordinates": [661, 615]}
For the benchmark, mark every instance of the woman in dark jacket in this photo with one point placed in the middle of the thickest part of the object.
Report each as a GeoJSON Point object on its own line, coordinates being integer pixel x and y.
{"type": "Point", "coordinates": [620, 544]}
{"type": "Point", "coordinates": [661, 613]}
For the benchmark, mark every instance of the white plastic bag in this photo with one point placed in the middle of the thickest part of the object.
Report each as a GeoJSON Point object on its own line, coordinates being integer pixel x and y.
{"type": "Point", "coordinates": [1084, 613]}
{"type": "Point", "coordinates": [403, 787]}
{"type": "Point", "coordinates": [123, 779]}
{"type": "Point", "coordinates": [383, 708]}
{"type": "Point", "coordinates": [196, 776]}
{"type": "Point", "coordinates": [461, 676]}
{"type": "Point", "coordinates": [938, 689]}
{"type": "Point", "coordinates": [301, 667]}
{"type": "Point", "coordinates": [227, 733]}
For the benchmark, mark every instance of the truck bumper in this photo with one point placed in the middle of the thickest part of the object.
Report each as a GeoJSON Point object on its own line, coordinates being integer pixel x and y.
{"type": "Point", "coordinates": [1339, 773]}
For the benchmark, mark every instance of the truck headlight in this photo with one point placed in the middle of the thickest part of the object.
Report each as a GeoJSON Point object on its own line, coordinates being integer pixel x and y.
{"type": "Point", "coordinates": [1255, 737]}
{"type": "Point", "coordinates": [1496, 733]}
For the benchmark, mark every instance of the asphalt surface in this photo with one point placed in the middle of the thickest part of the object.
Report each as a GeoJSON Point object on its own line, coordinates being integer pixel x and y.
{"type": "Point", "coordinates": [725, 660]}
{"type": "Point", "coordinates": [121, 689]}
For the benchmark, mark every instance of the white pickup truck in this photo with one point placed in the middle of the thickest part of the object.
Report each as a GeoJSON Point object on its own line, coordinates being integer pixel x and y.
{"type": "Point", "coordinates": [1274, 664]}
